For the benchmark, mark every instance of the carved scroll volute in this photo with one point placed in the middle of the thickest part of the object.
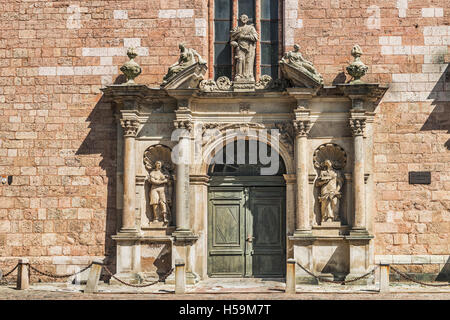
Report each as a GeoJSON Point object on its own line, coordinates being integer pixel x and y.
{"type": "Point", "coordinates": [158, 162]}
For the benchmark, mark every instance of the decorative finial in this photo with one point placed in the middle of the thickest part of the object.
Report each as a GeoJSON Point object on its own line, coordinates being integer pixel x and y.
{"type": "Point", "coordinates": [130, 68]}
{"type": "Point", "coordinates": [357, 69]}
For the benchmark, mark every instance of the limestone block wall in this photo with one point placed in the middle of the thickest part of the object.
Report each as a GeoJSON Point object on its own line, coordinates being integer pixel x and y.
{"type": "Point", "coordinates": [58, 137]}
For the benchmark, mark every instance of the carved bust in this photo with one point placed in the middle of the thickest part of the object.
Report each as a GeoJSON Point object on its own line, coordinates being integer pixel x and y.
{"type": "Point", "coordinates": [243, 39]}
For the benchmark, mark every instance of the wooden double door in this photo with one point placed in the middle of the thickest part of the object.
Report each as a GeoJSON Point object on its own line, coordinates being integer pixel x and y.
{"type": "Point", "coordinates": [246, 231]}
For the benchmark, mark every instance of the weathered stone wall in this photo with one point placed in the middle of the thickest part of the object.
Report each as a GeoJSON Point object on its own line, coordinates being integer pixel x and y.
{"type": "Point", "coordinates": [57, 136]}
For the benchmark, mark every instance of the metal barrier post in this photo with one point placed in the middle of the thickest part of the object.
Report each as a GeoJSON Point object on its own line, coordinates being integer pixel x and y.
{"type": "Point", "coordinates": [384, 278]}
{"type": "Point", "coordinates": [23, 273]}
{"type": "Point", "coordinates": [94, 276]}
{"type": "Point", "coordinates": [290, 276]}
{"type": "Point", "coordinates": [180, 276]}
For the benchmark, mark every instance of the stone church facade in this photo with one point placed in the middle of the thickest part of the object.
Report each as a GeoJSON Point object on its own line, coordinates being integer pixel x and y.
{"type": "Point", "coordinates": [129, 129]}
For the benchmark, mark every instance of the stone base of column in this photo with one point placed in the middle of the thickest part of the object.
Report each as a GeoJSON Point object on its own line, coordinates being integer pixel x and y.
{"type": "Point", "coordinates": [129, 277]}
{"type": "Point", "coordinates": [359, 233]}
{"type": "Point", "coordinates": [127, 231]}
{"type": "Point", "coordinates": [302, 233]}
{"type": "Point", "coordinates": [359, 257]}
{"type": "Point", "coordinates": [361, 282]}
{"type": "Point", "coordinates": [306, 280]}
{"type": "Point", "coordinates": [191, 278]}
{"type": "Point", "coordinates": [184, 236]}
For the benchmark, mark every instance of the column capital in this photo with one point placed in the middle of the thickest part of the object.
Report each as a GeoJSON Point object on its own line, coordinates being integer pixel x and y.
{"type": "Point", "coordinates": [184, 124]}
{"type": "Point", "coordinates": [301, 127]}
{"type": "Point", "coordinates": [130, 127]}
{"type": "Point", "coordinates": [357, 125]}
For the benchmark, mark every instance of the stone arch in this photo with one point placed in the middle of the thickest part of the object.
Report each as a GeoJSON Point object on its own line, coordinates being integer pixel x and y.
{"type": "Point", "coordinates": [208, 149]}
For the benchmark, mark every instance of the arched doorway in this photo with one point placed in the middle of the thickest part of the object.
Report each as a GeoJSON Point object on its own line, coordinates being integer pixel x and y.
{"type": "Point", "coordinates": [246, 213]}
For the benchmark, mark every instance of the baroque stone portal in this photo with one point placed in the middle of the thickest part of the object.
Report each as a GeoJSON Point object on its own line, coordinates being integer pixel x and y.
{"type": "Point", "coordinates": [329, 159]}
{"type": "Point", "coordinates": [243, 39]}
{"type": "Point", "coordinates": [160, 179]}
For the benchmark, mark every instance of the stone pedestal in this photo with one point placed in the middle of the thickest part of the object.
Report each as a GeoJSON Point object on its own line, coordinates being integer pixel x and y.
{"type": "Point", "coordinates": [182, 249]}
{"type": "Point", "coordinates": [359, 257]}
{"type": "Point", "coordinates": [128, 263]}
{"type": "Point", "coordinates": [243, 86]}
{"type": "Point", "coordinates": [329, 229]}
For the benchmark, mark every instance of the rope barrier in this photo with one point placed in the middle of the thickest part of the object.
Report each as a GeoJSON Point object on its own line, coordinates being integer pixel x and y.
{"type": "Point", "coordinates": [404, 275]}
{"type": "Point", "coordinates": [136, 285]}
{"type": "Point", "coordinates": [343, 282]}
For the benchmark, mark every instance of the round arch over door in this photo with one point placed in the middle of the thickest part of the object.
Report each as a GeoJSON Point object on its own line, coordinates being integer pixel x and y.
{"type": "Point", "coordinates": [246, 217]}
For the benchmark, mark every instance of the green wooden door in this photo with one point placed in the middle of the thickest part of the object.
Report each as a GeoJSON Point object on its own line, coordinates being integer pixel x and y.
{"type": "Point", "coordinates": [246, 232]}
{"type": "Point", "coordinates": [266, 225]}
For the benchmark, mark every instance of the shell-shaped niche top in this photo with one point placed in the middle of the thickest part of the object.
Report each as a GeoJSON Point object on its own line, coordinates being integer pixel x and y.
{"type": "Point", "coordinates": [332, 152]}
{"type": "Point", "coordinates": [161, 153]}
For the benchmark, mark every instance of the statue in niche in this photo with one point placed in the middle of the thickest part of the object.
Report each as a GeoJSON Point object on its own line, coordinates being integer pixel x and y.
{"type": "Point", "coordinates": [329, 159]}
{"type": "Point", "coordinates": [187, 58]}
{"type": "Point", "coordinates": [160, 179]}
{"type": "Point", "coordinates": [330, 183]}
{"type": "Point", "coordinates": [295, 59]}
{"type": "Point", "coordinates": [243, 39]}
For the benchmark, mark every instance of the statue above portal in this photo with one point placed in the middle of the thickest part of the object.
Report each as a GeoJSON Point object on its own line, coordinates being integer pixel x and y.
{"type": "Point", "coordinates": [295, 60]}
{"type": "Point", "coordinates": [243, 39]}
{"type": "Point", "coordinates": [188, 57]}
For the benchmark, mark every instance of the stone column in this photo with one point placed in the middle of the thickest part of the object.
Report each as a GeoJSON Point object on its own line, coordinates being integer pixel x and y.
{"type": "Point", "coordinates": [183, 154]}
{"type": "Point", "coordinates": [357, 125]}
{"type": "Point", "coordinates": [290, 202]}
{"type": "Point", "coordinates": [130, 128]}
{"type": "Point", "coordinates": [302, 126]}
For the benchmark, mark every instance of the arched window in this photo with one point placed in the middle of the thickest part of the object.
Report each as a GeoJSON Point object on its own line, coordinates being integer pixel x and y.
{"type": "Point", "coordinates": [238, 160]}
{"type": "Point", "coordinates": [264, 14]}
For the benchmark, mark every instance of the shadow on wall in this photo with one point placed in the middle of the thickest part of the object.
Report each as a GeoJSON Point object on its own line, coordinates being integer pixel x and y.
{"type": "Point", "coordinates": [338, 264]}
{"type": "Point", "coordinates": [102, 140]}
{"type": "Point", "coordinates": [439, 118]}
{"type": "Point", "coordinates": [444, 274]}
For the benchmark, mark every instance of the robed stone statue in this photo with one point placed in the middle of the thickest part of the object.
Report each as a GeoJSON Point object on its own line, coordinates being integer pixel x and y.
{"type": "Point", "coordinates": [243, 39]}
{"type": "Point", "coordinates": [330, 183]}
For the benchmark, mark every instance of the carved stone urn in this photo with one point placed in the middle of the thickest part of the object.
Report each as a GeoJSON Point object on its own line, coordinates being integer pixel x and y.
{"type": "Point", "coordinates": [357, 69]}
{"type": "Point", "coordinates": [130, 68]}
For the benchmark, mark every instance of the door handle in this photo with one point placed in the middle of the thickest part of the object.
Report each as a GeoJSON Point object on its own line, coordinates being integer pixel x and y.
{"type": "Point", "coordinates": [250, 238]}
